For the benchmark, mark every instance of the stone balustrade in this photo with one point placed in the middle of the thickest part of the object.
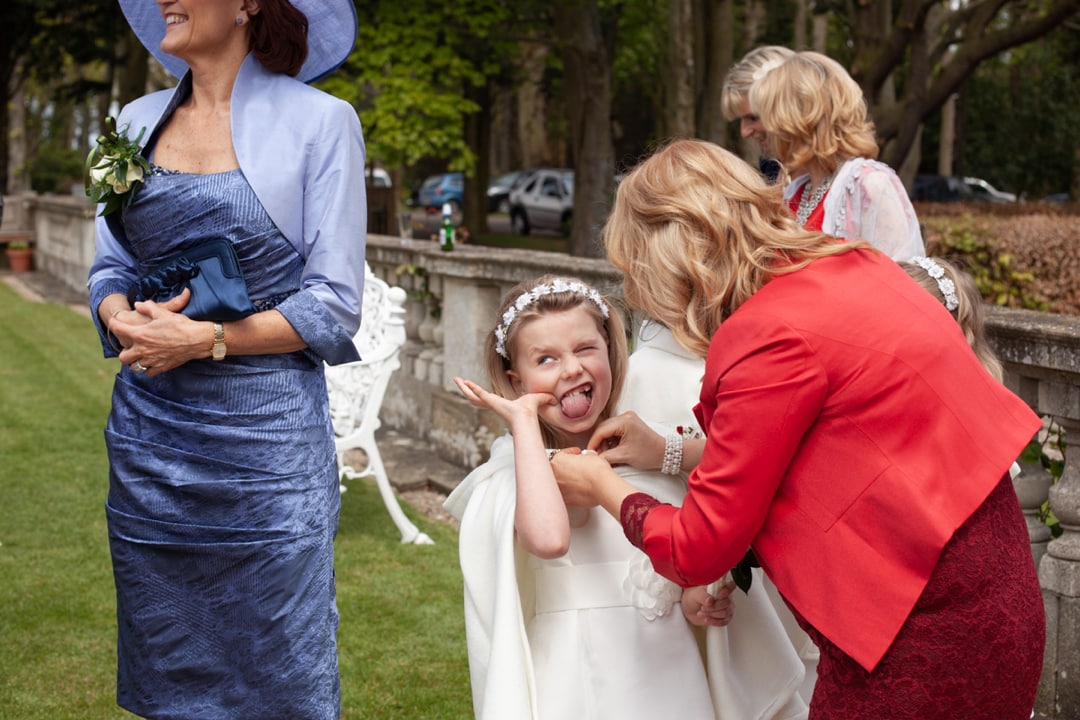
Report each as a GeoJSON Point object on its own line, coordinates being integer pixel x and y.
{"type": "Point", "coordinates": [453, 298]}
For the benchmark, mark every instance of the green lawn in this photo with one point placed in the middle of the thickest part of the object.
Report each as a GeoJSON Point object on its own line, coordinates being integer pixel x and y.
{"type": "Point", "coordinates": [401, 642]}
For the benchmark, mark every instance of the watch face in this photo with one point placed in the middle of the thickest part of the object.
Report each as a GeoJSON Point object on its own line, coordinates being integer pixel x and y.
{"type": "Point", "coordinates": [219, 351]}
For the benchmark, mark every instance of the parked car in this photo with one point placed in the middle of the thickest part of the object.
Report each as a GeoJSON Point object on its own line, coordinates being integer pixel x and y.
{"type": "Point", "coordinates": [938, 188]}
{"type": "Point", "coordinates": [982, 190]}
{"type": "Point", "coordinates": [544, 199]}
{"type": "Point", "coordinates": [377, 177]}
{"type": "Point", "coordinates": [499, 191]}
{"type": "Point", "coordinates": [442, 188]}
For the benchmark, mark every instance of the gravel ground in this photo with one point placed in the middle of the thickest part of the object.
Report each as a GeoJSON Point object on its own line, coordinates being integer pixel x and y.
{"type": "Point", "coordinates": [429, 502]}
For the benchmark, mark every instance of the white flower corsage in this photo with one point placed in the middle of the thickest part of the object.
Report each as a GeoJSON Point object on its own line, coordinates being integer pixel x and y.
{"type": "Point", "coordinates": [114, 168]}
{"type": "Point", "coordinates": [652, 594]}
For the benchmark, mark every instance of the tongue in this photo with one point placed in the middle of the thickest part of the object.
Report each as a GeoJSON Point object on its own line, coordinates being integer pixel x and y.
{"type": "Point", "coordinates": [575, 405]}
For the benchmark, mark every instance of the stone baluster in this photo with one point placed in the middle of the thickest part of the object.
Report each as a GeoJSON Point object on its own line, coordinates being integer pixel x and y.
{"type": "Point", "coordinates": [1059, 569]}
{"type": "Point", "coordinates": [1032, 485]}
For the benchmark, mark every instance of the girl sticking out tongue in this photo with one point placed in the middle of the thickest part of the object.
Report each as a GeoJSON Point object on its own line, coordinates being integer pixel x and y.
{"type": "Point", "coordinates": [542, 586]}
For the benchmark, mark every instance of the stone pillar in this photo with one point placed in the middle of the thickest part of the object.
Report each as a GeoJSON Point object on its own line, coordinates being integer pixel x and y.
{"type": "Point", "coordinates": [467, 321]}
{"type": "Point", "coordinates": [1059, 569]}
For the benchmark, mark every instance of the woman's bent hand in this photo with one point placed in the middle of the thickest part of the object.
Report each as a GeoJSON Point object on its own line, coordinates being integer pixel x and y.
{"type": "Point", "coordinates": [159, 338]}
{"type": "Point", "coordinates": [627, 440]}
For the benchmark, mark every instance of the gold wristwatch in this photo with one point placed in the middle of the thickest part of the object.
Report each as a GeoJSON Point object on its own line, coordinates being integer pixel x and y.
{"type": "Point", "coordinates": [218, 351]}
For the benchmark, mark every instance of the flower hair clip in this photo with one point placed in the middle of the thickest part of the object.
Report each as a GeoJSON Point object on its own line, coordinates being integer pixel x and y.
{"type": "Point", "coordinates": [945, 285]}
{"type": "Point", "coordinates": [525, 299]}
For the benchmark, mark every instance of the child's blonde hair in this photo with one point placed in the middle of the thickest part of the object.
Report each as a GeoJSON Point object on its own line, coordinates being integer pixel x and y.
{"type": "Point", "coordinates": [814, 113]}
{"type": "Point", "coordinates": [735, 95]}
{"type": "Point", "coordinates": [966, 299]}
{"type": "Point", "coordinates": [696, 231]}
{"type": "Point", "coordinates": [528, 304]}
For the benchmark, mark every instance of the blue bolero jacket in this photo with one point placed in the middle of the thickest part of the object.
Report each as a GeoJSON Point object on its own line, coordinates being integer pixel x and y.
{"type": "Point", "coordinates": [302, 152]}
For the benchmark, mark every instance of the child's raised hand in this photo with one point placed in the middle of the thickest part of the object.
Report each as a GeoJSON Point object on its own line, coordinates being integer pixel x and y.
{"type": "Point", "coordinates": [705, 610]}
{"type": "Point", "coordinates": [506, 408]}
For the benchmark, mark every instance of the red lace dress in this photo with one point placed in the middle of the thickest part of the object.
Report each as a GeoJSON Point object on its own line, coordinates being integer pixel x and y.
{"type": "Point", "coordinates": [972, 647]}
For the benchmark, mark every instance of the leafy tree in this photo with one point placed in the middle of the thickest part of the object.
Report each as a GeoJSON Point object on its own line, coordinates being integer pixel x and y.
{"type": "Point", "coordinates": [418, 73]}
{"type": "Point", "coordinates": [40, 37]}
{"type": "Point", "coordinates": [910, 60]}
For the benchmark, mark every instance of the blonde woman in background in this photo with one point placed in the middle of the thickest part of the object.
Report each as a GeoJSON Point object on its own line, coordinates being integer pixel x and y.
{"type": "Point", "coordinates": [735, 99]}
{"type": "Point", "coordinates": [818, 127]}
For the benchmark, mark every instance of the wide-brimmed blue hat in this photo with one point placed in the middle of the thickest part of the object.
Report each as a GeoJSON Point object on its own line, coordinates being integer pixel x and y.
{"type": "Point", "coordinates": [331, 34]}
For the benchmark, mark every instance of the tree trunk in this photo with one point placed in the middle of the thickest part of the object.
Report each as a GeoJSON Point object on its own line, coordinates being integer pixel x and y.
{"type": "Point", "coordinates": [478, 137]}
{"type": "Point", "coordinates": [18, 179]}
{"type": "Point", "coordinates": [719, 55]}
{"type": "Point", "coordinates": [799, 39]}
{"type": "Point", "coordinates": [135, 70]}
{"type": "Point", "coordinates": [948, 137]}
{"type": "Point", "coordinates": [679, 88]}
{"type": "Point", "coordinates": [532, 108]}
{"type": "Point", "coordinates": [587, 70]}
{"type": "Point", "coordinates": [753, 22]}
{"type": "Point", "coordinates": [820, 32]}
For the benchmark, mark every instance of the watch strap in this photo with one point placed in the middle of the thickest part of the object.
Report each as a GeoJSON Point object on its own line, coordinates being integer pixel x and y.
{"type": "Point", "coordinates": [218, 350]}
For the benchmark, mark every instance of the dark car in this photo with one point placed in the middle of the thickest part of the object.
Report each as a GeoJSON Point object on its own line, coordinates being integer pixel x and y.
{"type": "Point", "coordinates": [499, 191]}
{"type": "Point", "coordinates": [938, 188]}
{"type": "Point", "coordinates": [442, 188]}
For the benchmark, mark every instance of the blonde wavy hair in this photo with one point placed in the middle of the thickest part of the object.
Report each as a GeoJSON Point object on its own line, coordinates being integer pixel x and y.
{"type": "Point", "coordinates": [612, 327]}
{"type": "Point", "coordinates": [754, 65]}
{"type": "Point", "coordinates": [696, 232]}
{"type": "Point", "coordinates": [814, 113]}
{"type": "Point", "coordinates": [969, 311]}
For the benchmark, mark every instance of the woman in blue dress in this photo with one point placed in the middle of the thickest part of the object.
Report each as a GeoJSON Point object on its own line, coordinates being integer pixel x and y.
{"type": "Point", "coordinates": [223, 497]}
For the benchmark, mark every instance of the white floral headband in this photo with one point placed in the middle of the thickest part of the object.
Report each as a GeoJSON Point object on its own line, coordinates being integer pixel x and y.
{"type": "Point", "coordinates": [525, 299]}
{"type": "Point", "coordinates": [945, 285]}
{"type": "Point", "coordinates": [766, 67]}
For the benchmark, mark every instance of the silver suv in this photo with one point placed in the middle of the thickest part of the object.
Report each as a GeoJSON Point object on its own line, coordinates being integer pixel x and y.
{"type": "Point", "coordinates": [543, 201]}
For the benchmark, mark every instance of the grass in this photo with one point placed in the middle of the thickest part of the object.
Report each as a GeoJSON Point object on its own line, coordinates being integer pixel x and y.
{"type": "Point", "coordinates": [401, 643]}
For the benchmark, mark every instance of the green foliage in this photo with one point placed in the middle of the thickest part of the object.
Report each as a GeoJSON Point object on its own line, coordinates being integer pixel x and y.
{"type": "Point", "coordinates": [1031, 92]}
{"type": "Point", "coordinates": [998, 281]}
{"type": "Point", "coordinates": [411, 71]}
{"type": "Point", "coordinates": [401, 644]}
{"type": "Point", "coordinates": [55, 170]}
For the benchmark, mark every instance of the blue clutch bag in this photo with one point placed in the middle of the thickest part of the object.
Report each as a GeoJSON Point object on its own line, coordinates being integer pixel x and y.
{"type": "Point", "coordinates": [212, 272]}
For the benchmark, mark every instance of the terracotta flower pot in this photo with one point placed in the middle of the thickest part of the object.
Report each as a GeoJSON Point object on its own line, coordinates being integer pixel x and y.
{"type": "Point", "coordinates": [20, 259]}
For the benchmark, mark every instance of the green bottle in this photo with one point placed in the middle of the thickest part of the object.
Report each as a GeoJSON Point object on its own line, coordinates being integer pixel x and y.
{"type": "Point", "coordinates": [446, 232]}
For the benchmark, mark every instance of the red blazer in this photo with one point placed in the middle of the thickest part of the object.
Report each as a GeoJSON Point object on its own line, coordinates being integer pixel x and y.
{"type": "Point", "coordinates": [851, 431]}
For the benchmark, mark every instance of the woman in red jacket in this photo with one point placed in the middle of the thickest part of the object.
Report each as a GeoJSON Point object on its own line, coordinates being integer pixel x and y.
{"type": "Point", "coordinates": [853, 440]}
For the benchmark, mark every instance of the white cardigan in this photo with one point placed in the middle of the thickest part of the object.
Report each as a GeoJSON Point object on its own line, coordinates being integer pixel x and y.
{"type": "Point", "coordinates": [868, 201]}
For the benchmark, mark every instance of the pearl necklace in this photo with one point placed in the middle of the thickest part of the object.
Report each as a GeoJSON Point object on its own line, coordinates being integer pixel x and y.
{"type": "Point", "coordinates": [809, 201]}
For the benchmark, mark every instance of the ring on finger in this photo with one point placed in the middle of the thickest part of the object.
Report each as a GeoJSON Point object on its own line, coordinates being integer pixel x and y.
{"type": "Point", "coordinates": [138, 368]}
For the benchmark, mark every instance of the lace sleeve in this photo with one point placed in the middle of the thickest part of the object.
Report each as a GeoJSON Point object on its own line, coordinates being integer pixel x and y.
{"type": "Point", "coordinates": [632, 515]}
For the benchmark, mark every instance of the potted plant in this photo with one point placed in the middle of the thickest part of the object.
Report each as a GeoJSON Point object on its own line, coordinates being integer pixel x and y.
{"type": "Point", "coordinates": [20, 255]}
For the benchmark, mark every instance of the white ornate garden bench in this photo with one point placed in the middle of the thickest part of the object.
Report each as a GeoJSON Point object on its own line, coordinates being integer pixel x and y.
{"type": "Point", "coordinates": [357, 389]}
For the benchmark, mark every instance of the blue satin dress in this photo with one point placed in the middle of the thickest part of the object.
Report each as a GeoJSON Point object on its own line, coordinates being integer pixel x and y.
{"type": "Point", "coordinates": [223, 499]}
